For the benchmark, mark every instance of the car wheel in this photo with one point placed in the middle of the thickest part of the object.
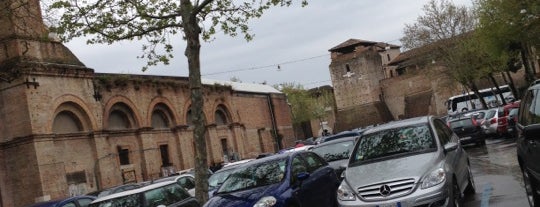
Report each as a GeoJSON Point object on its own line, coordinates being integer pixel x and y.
{"type": "Point", "coordinates": [530, 188]}
{"type": "Point", "coordinates": [471, 189]}
{"type": "Point", "coordinates": [481, 142]}
{"type": "Point", "coordinates": [455, 198]}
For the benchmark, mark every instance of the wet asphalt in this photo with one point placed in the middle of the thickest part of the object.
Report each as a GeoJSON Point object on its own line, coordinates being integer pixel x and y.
{"type": "Point", "coordinates": [497, 175]}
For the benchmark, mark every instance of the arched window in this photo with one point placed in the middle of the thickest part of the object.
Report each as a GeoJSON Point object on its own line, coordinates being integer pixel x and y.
{"type": "Point", "coordinates": [121, 117]}
{"type": "Point", "coordinates": [162, 117]}
{"type": "Point", "coordinates": [66, 122]}
{"type": "Point", "coordinates": [221, 116]}
{"type": "Point", "coordinates": [118, 120]}
{"type": "Point", "coordinates": [159, 120]}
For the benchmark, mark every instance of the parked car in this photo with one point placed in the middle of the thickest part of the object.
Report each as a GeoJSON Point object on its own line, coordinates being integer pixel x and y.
{"type": "Point", "coordinates": [469, 130]}
{"type": "Point", "coordinates": [300, 178]}
{"type": "Point", "coordinates": [167, 193]}
{"type": "Point", "coordinates": [490, 123]}
{"type": "Point", "coordinates": [76, 201]}
{"type": "Point", "coordinates": [336, 153]}
{"type": "Point", "coordinates": [502, 128]}
{"type": "Point", "coordinates": [187, 181]}
{"type": "Point", "coordinates": [113, 190]}
{"type": "Point", "coordinates": [216, 179]}
{"type": "Point", "coordinates": [512, 120]}
{"type": "Point", "coordinates": [354, 133]}
{"type": "Point", "coordinates": [411, 162]}
{"type": "Point", "coordinates": [528, 143]}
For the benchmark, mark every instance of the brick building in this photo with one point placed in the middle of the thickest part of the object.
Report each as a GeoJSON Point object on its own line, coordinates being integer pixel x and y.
{"type": "Point", "coordinates": [375, 83]}
{"type": "Point", "coordinates": [66, 130]}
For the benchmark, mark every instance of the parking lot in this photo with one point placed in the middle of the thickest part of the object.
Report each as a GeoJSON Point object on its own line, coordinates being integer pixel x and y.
{"type": "Point", "coordinates": [497, 175]}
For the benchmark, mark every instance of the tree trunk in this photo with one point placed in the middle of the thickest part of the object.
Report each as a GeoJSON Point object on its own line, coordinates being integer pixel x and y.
{"type": "Point", "coordinates": [474, 88]}
{"type": "Point", "coordinates": [517, 94]}
{"type": "Point", "coordinates": [497, 87]}
{"type": "Point", "coordinates": [192, 52]}
{"type": "Point", "coordinates": [529, 76]}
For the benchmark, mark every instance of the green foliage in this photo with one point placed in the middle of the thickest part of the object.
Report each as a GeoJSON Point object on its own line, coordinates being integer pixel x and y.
{"type": "Point", "coordinates": [307, 105]}
{"type": "Point", "coordinates": [154, 21]}
{"type": "Point", "coordinates": [505, 23]}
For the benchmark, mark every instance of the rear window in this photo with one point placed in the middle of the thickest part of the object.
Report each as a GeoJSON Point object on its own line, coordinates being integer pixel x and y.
{"type": "Point", "coordinates": [461, 123]}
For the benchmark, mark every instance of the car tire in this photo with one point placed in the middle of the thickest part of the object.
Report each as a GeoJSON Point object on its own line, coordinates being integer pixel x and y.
{"type": "Point", "coordinates": [481, 143]}
{"type": "Point", "coordinates": [455, 199]}
{"type": "Point", "coordinates": [471, 189]}
{"type": "Point", "coordinates": [530, 188]}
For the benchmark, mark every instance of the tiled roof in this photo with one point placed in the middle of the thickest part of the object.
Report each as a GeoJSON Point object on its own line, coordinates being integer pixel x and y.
{"type": "Point", "coordinates": [351, 43]}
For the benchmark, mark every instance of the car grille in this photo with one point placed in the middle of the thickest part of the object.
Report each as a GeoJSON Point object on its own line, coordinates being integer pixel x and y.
{"type": "Point", "coordinates": [387, 190]}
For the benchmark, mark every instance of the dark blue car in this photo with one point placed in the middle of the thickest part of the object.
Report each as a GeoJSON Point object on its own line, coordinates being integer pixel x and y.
{"type": "Point", "coordinates": [76, 201]}
{"type": "Point", "coordinates": [300, 178]}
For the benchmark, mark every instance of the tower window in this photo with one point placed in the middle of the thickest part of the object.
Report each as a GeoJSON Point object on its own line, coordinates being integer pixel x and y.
{"type": "Point", "coordinates": [347, 68]}
{"type": "Point", "coordinates": [388, 56]}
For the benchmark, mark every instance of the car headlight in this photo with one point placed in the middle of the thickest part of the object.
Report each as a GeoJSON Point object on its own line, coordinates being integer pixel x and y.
{"type": "Point", "coordinates": [266, 201]}
{"type": "Point", "coordinates": [345, 193]}
{"type": "Point", "coordinates": [434, 178]}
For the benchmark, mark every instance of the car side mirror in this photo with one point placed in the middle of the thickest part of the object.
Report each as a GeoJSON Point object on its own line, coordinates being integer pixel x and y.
{"type": "Point", "coordinates": [451, 146]}
{"type": "Point", "coordinates": [302, 176]}
{"type": "Point", "coordinates": [531, 131]}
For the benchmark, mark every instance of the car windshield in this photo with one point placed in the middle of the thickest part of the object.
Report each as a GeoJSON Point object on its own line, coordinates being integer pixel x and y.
{"type": "Point", "coordinates": [335, 151]}
{"type": "Point", "coordinates": [253, 176]}
{"type": "Point", "coordinates": [395, 141]}
{"type": "Point", "coordinates": [217, 178]}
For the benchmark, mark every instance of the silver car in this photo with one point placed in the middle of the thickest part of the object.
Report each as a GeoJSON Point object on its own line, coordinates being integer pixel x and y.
{"type": "Point", "coordinates": [413, 162]}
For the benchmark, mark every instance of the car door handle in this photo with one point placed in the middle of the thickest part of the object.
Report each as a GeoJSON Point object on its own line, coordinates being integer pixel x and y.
{"type": "Point", "coordinates": [532, 142]}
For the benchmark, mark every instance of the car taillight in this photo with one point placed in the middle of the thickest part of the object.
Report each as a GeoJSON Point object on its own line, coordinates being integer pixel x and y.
{"type": "Point", "coordinates": [474, 122]}
{"type": "Point", "coordinates": [493, 121]}
{"type": "Point", "coordinates": [502, 120]}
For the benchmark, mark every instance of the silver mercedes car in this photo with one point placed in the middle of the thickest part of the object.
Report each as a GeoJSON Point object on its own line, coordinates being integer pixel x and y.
{"type": "Point", "coordinates": [413, 162]}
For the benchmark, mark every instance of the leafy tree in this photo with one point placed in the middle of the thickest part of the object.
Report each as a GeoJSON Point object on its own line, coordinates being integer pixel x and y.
{"type": "Point", "coordinates": [157, 22]}
{"type": "Point", "coordinates": [307, 105]}
{"type": "Point", "coordinates": [511, 26]}
{"type": "Point", "coordinates": [452, 33]}
{"type": "Point", "coordinates": [442, 20]}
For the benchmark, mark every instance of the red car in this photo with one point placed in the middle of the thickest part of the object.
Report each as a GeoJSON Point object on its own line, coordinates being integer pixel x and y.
{"type": "Point", "coordinates": [504, 111]}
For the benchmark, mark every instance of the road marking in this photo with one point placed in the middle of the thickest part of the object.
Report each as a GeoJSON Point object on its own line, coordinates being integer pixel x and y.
{"type": "Point", "coordinates": [486, 194]}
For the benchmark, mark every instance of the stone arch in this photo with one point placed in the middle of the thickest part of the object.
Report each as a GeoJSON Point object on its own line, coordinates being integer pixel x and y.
{"type": "Point", "coordinates": [70, 118]}
{"type": "Point", "coordinates": [187, 115]}
{"type": "Point", "coordinates": [123, 111]}
{"type": "Point", "coordinates": [163, 108]}
{"type": "Point", "coordinates": [161, 117]}
{"type": "Point", "coordinates": [230, 115]}
{"type": "Point", "coordinates": [222, 115]}
{"type": "Point", "coordinates": [73, 107]}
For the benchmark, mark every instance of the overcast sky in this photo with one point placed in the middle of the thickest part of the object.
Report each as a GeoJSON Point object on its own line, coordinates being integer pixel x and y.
{"type": "Point", "coordinates": [295, 38]}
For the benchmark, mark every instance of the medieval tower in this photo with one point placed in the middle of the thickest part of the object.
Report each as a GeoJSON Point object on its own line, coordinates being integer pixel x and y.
{"type": "Point", "coordinates": [356, 69]}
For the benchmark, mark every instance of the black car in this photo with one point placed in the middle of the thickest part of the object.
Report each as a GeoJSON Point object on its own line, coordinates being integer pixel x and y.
{"type": "Point", "coordinates": [468, 129]}
{"type": "Point", "coordinates": [528, 142]}
{"type": "Point", "coordinates": [336, 153]}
